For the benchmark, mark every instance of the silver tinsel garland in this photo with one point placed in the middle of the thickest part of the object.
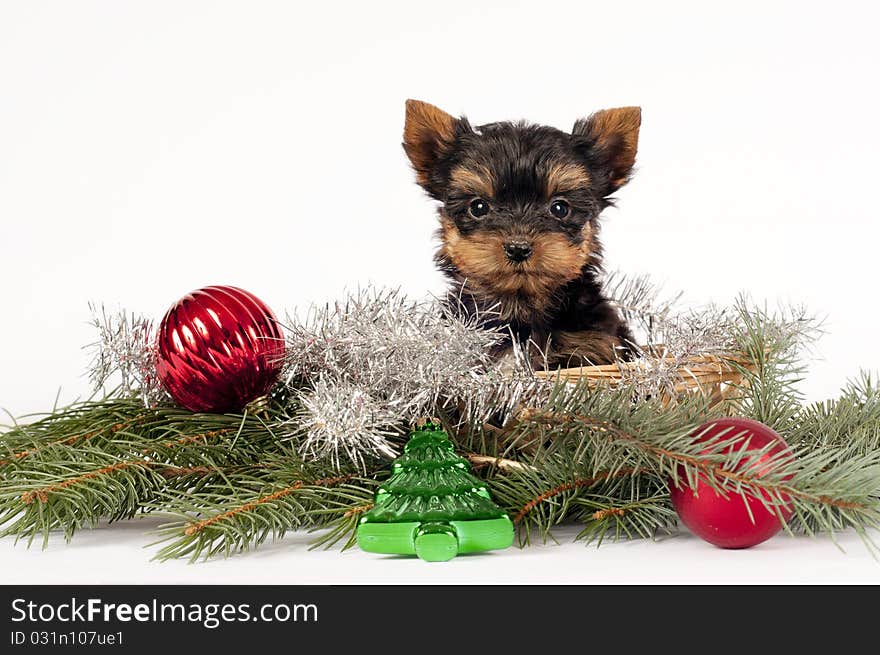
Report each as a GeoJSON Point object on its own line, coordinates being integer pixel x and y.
{"type": "Point", "coordinates": [367, 367]}
{"type": "Point", "coordinates": [125, 354]}
{"type": "Point", "coordinates": [360, 371]}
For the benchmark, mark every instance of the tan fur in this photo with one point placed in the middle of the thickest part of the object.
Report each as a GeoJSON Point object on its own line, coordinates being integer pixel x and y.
{"type": "Point", "coordinates": [582, 348]}
{"type": "Point", "coordinates": [618, 128]}
{"type": "Point", "coordinates": [520, 288]}
{"type": "Point", "coordinates": [479, 182]}
{"type": "Point", "coordinates": [566, 177]}
{"type": "Point", "coordinates": [426, 132]}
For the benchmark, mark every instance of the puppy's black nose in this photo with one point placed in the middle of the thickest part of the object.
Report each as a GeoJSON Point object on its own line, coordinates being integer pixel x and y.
{"type": "Point", "coordinates": [518, 251]}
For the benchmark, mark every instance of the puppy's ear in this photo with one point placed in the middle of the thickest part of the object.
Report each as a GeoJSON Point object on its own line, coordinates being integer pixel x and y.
{"type": "Point", "coordinates": [612, 138]}
{"type": "Point", "coordinates": [428, 133]}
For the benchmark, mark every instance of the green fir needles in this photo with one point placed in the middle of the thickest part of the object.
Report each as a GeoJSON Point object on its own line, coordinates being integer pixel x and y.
{"type": "Point", "coordinates": [359, 374]}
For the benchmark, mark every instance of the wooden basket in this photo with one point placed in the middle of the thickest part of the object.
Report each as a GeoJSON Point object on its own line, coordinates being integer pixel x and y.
{"type": "Point", "coordinates": [720, 377]}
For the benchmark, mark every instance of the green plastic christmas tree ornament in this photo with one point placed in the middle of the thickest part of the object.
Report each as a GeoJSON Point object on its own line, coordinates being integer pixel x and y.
{"type": "Point", "coordinates": [432, 506]}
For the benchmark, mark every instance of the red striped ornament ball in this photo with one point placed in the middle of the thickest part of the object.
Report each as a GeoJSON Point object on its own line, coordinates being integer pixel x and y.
{"type": "Point", "coordinates": [219, 348]}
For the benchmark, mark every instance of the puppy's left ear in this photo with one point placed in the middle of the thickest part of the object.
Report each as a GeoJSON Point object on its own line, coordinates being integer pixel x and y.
{"type": "Point", "coordinates": [612, 138]}
{"type": "Point", "coordinates": [428, 134]}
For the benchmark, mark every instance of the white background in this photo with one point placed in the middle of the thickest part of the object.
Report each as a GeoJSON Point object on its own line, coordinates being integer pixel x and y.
{"type": "Point", "coordinates": [147, 149]}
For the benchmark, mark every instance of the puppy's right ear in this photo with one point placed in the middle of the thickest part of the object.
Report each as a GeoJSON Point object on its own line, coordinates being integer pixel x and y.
{"type": "Point", "coordinates": [428, 134]}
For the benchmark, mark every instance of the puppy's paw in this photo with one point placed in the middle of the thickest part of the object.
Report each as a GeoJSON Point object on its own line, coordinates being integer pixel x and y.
{"type": "Point", "coordinates": [571, 349]}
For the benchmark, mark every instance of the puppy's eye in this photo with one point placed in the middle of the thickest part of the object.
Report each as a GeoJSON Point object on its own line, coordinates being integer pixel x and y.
{"type": "Point", "coordinates": [559, 208]}
{"type": "Point", "coordinates": [478, 208]}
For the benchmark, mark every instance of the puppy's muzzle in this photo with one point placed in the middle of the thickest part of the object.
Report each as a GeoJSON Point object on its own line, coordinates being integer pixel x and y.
{"type": "Point", "coordinates": [518, 251]}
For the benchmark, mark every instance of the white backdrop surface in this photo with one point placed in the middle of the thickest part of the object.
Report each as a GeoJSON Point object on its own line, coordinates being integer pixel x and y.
{"type": "Point", "coordinates": [147, 149]}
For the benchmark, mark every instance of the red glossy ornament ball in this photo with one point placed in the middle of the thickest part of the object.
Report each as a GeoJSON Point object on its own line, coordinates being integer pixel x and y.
{"type": "Point", "coordinates": [725, 521]}
{"type": "Point", "coordinates": [219, 348]}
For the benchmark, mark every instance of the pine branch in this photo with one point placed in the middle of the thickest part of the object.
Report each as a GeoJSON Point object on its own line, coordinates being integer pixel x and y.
{"type": "Point", "coordinates": [481, 461]}
{"type": "Point", "coordinates": [243, 511]}
{"type": "Point", "coordinates": [94, 421]}
{"type": "Point", "coordinates": [823, 497]}
{"type": "Point", "coordinates": [550, 453]}
{"type": "Point", "coordinates": [559, 488]}
{"type": "Point", "coordinates": [571, 485]}
{"type": "Point", "coordinates": [65, 441]}
{"type": "Point", "coordinates": [124, 428]}
{"type": "Point", "coordinates": [61, 476]}
{"type": "Point", "coordinates": [234, 513]}
{"type": "Point", "coordinates": [116, 490]}
{"type": "Point", "coordinates": [774, 344]}
{"type": "Point", "coordinates": [602, 432]}
{"type": "Point", "coordinates": [641, 518]}
{"type": "Point", "coordinates": [851, 420]}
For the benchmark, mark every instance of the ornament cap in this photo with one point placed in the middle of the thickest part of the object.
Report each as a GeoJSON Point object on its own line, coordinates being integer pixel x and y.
{"type": "Point", "coordinates": [428, 423]}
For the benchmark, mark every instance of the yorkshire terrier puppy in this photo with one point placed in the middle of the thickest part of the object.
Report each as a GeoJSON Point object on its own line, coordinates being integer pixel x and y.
{"type": "Point", "coordinates": [519, 226]}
